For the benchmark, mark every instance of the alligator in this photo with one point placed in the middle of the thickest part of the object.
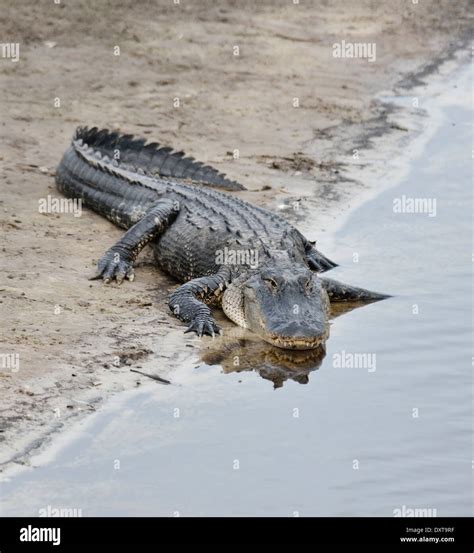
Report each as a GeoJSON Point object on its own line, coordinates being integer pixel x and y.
{"type": "Point", "coordinates": [226, 252]}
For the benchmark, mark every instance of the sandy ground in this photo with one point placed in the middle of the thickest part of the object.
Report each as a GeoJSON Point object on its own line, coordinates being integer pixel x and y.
{"type": "Point", "coordinates": [294, 113]}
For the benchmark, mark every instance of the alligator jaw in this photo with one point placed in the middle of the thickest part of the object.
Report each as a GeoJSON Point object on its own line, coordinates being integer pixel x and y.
{"type": "Point", "coordinates": [295, 343]}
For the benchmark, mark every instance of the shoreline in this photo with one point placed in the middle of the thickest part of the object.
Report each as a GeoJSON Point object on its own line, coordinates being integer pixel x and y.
{"type": "Point", "coordinates": [384, 156]}
{"type": "Point", "coordinates": [97, 380]}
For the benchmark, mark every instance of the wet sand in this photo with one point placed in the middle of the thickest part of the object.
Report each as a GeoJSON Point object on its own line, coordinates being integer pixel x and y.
{"type": "Point", "coordinates": [77, 340]}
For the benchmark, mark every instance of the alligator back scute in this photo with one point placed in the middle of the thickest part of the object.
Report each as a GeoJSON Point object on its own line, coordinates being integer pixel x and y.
{"type": "Point", "coordinates": [151, 159]}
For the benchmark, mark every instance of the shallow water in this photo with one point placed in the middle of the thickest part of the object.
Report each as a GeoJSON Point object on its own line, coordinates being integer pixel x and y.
{"type": "Point", "coordinates": [392, 431]}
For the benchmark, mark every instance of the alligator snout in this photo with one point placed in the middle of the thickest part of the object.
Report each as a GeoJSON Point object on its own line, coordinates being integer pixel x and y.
{"type": "Point", "coordinates": [296, 335]}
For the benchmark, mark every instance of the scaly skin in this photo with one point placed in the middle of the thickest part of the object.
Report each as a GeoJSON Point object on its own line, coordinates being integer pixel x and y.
{"type": "Point", "coordinates": [198, 233]}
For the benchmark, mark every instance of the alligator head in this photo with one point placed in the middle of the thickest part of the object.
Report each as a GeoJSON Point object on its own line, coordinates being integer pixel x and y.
{"type": "Point", "coordinates": [286, 303]}
{"type": "Point", "coordinates": [283, 302]}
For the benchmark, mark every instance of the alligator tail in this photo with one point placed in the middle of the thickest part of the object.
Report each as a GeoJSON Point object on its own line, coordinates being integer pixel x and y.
{"type": "Point", "coordinates": [152, 159]}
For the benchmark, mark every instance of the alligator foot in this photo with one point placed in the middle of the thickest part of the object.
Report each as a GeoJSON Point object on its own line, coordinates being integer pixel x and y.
{"type": "Point", "coordinates": [187, 301]}
{"type": "Point", "coordinates": [204, 325]}
{"type": "Point", "coordinates": [113, 265]}
{"type": "Point", "coordinates": [319, 262]}
{"type": "Point", "coordinates": [117, 263]}
{"type": "Point", "coordinates": [340, 292]}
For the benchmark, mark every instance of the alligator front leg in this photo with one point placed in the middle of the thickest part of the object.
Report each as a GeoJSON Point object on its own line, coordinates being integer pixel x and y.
{"type": "Point", "coordinates": [117, 262]}
{"type": "Point", "coordinates": [338, 291]}
{"type": "Point", "coordinates": [187, 302]}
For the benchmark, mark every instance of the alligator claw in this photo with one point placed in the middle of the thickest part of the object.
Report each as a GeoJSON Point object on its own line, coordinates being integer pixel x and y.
{"type": "Point", "coordinates": [114, 266]}
{"type": "Point", "coordinates": [201, 327]}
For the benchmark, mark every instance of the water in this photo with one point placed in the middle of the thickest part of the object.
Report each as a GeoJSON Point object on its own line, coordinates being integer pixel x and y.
{"type": "Point", "coordinates": [365, 440]}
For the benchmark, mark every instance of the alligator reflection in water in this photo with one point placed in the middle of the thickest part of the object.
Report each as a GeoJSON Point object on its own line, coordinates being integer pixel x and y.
{"type": "Point", "coordinates": [239, 350]}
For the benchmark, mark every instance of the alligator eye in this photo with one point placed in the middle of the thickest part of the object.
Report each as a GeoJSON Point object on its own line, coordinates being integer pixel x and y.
{"type": "Point", "coordinates": [309, 285]}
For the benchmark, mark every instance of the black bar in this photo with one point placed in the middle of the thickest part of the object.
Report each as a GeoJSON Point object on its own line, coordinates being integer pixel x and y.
{"type": "Point", "coordinates": [403, 532]}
